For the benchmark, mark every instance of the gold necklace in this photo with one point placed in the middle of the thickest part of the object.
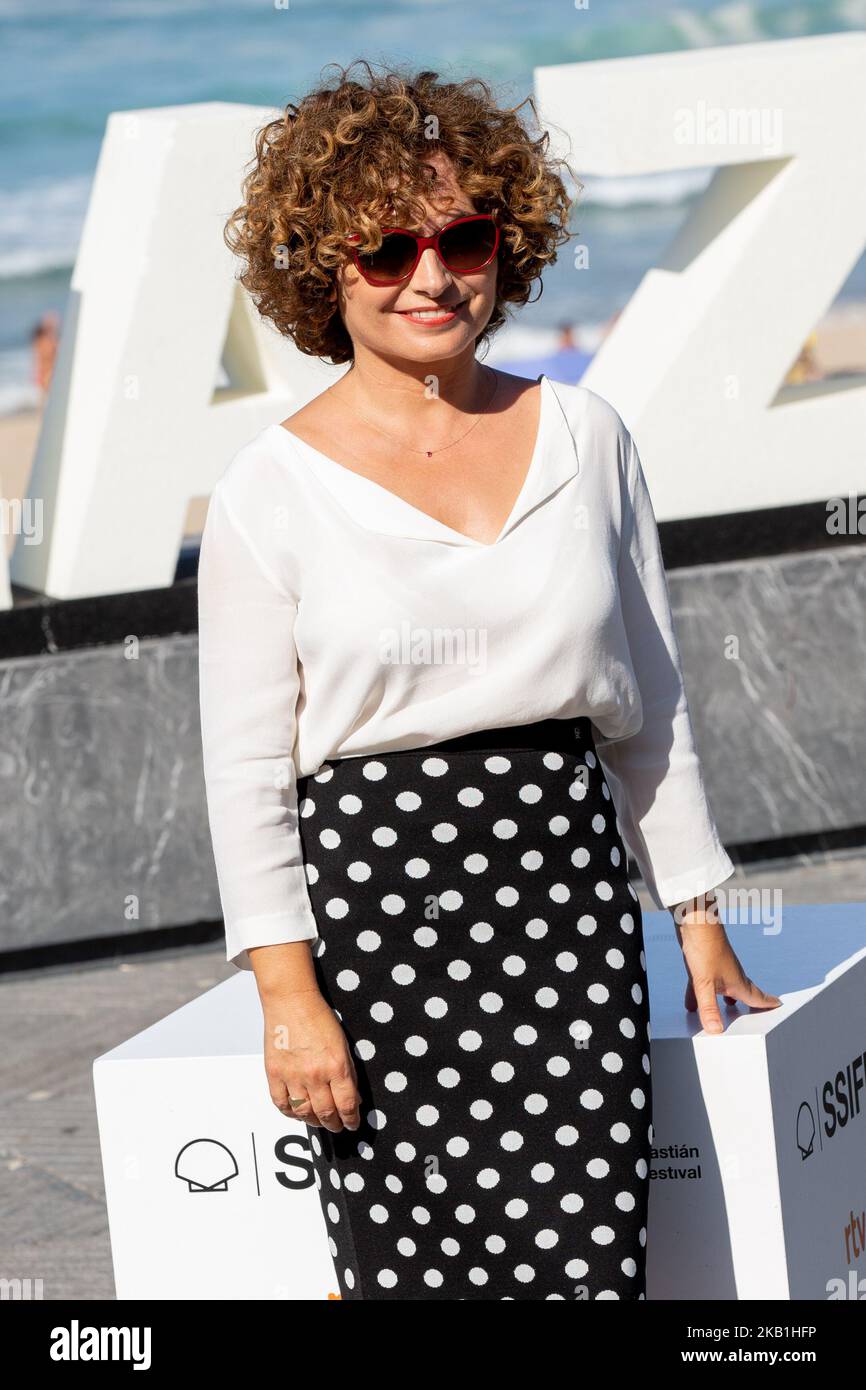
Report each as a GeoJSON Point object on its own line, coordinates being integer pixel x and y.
{"type": "Point", "coordinates": [430, 452]}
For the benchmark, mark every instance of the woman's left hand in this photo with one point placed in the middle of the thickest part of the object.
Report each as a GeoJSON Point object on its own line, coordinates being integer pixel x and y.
{"type": "Point", "coordinates": [713, 967]}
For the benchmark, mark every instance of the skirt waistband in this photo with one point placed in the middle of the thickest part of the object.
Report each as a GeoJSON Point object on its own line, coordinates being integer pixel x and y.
{"type": "Point", "coordinates": [548, 735]}
{"type": "Point", "coordinates": [572, 736]}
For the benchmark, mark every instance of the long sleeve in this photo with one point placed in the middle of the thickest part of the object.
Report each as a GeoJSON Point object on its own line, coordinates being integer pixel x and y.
{"type": "Point", "coordinates": [655, 775]}
{"type": "Point", "coordinates": [248, 690]}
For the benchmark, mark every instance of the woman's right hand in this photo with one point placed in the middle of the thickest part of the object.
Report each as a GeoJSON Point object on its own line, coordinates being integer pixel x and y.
{"type": "Point", "coordinates": [307, 1054]}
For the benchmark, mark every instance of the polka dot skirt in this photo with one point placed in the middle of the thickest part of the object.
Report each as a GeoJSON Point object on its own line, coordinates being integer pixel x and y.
{"type": "Point", "coordinates": [482, 946]}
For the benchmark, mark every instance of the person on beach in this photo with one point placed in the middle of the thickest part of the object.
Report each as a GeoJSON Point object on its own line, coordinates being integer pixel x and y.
{"type": "Point", "coordinates": [44, 341]}
{"type": "Point", "coordinates": [441, 698]}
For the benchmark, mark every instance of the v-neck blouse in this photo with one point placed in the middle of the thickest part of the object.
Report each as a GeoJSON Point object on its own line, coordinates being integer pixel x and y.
{"type": "Point", "coordinates": [364, 497]}
{"type": "Point", "coordinates": [336, 619]}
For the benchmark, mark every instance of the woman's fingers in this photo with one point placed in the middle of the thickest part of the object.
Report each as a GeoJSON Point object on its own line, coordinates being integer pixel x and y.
{"type": "Point", "coordinates": [702, 997]}
{"type": "Point", "coordinates": [334, 1104]}
{"type": "Point", "coordinates": [690, 1000]}
{"type": "Point", "coordinates": [279, 1093]}
{"type": "Point", "coordinates": [347, 1101]}
{"type": "Point", "coordinates": [707, 1006]}
{"type": "Point", "coordinates": [325, 1107]}
{"type": "Point", "coordinates": [749, 993]}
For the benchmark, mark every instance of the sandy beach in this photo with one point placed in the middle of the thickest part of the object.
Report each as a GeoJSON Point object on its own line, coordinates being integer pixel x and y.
{"type": "Point", "coordinates": [838, 347]}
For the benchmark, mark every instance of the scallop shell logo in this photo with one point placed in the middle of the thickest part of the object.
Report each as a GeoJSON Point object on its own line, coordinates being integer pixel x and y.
{"type": "Point", "coordinates": [806, 1130]}
{"type": "Point", "coordinates": [206, 1165]}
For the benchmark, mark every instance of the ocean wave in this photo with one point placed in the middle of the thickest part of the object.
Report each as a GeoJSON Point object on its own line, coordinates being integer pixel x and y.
{"type": "Point", "coordinates": [643, 190]}
{"type": "Point", "coordinates": [693, 25]}
{"type": "Point", "coordinates": [17, 396]}
{"type": "Point", "coordinates": [40, 226]}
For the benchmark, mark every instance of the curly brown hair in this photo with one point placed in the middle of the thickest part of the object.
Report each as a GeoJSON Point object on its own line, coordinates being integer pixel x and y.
{"type": "Point", "coordinates": [352, 156]}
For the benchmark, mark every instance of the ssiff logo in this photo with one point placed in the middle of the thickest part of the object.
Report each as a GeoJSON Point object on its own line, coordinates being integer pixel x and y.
{"type": "Point", "coordinates": [838, 1103]}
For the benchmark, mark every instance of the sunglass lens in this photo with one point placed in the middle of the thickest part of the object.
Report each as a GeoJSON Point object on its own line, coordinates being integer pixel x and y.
{"type": "Point", "coordinates": [392, 260]}
{"type": "Point", "coordinates": [469, 245]}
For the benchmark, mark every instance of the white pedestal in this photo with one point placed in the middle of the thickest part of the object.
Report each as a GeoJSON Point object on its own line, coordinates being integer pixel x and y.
{"type": "Point", "coordinates": [770, 1117]}
{"type": "Point", "coordinates": [760, 1134]}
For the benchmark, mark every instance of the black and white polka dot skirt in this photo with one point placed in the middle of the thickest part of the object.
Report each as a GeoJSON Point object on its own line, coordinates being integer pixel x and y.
{"type": "Point", "coordinates": [482, 946]}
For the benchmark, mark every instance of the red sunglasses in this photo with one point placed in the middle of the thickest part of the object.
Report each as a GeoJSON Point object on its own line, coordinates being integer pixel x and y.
{"type": "Point", "coordinates": [464, 245]}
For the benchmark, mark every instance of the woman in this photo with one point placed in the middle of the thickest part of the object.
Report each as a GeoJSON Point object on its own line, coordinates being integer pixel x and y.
{"type": "Point", "coordinates": [440, 694]}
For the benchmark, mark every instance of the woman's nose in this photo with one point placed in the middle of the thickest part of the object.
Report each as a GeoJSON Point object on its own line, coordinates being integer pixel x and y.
{"type": "Point", "coordinates": [430, 273]}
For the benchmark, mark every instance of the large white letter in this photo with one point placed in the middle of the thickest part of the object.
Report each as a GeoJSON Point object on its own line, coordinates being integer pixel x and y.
{"type": "Point", "coordinates": [132, 428]}
{"type": "Point", "coordinates": [695, 362]}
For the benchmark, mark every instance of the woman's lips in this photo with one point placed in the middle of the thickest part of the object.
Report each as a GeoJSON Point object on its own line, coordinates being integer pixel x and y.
{"type": "Point", "coordinates": [432, 318]}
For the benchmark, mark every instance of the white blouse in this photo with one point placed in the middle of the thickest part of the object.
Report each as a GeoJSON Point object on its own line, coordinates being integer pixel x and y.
{"type": "Point", "coordinates": [336, 619]}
